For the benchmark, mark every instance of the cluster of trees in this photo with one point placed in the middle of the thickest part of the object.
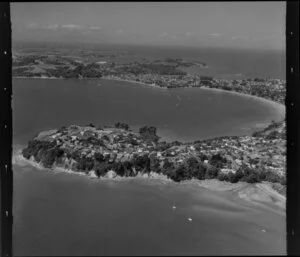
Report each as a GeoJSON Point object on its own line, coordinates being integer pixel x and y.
{"type": "Point", "coordinates": [206, 78]}
{"type": "Point", "coordinates": [162, 69]}
{"type": "Point", "coordinates": [26, 60]}
{"type": "Point", "coordinates": [82, 71]}
{"type": "Point", "coordinates": [217, 160]}
{"type": "Point", "coordinates": [130, 168]}
{"type": "Point", "coordinates": [22, 71]}
{"type": "Point", "coordinates": [122, 125]}
{"type": "Point", "coordinates": [249, 175]}
{"type": "Point", "coordinates": [48, 152]}
{"type": "Point", "coordinates": [191, 168]}
{"type": "Point", "coordinates": [271, 132]}
{"type": "Point", "coordinates": [148, 134]}
{"type": "Point", "coordinates": [44, 152]}
{"type": "Point", "coordinates": [163, 145]}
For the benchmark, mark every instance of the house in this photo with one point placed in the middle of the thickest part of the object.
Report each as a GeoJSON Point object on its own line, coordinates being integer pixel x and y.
{"type": "Point", "coordinates": [226, 171]}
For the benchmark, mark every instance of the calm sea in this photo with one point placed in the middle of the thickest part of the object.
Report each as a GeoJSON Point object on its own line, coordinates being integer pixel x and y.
{"type": "Point", "coordinates": [65, 214]}
{"type": "Point", "coordinates": [180, 114]}
{"type": "Point", "coordinates": [222, 63]}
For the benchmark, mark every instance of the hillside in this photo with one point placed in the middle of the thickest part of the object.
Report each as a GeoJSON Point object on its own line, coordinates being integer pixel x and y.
{"type": "Point", "coordinates": [122, 152]}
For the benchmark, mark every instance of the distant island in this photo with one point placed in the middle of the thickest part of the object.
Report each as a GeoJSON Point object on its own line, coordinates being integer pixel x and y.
{"type": "Point", "coordinates": [118, 151]}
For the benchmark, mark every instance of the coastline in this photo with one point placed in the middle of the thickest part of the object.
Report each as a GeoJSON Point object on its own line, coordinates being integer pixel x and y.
{"type": "Point", "coordinates": [258, 193]}
{"type": "Point", "coordinates": [135, 82]}
{"type": "Point", "coordinates": [279, 106]}
{"type": "Point", "coordinates": [24, 77]}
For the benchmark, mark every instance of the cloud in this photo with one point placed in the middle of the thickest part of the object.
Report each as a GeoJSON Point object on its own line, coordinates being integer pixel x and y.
{"type": "Point", "coordinates": [238, 37]}
{"type": "Point", "coordinates": [51, 27]}
{"type": "Point", "coordinates": [32, 26]}
{"type": "Point", "coordinates": [72, 26]}
{"type": "Point", "coordinates": [164, 34]}
{"type": "Point", "coordinates": [192, 36]}
{"type": "Point", "coordinates": [215, 34]}
{"type": "Point", "coordinates": [94, 28]}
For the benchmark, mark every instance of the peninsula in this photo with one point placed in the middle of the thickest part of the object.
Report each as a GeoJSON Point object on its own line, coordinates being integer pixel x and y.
{"type": "Point", "coordinates": [118, 151]}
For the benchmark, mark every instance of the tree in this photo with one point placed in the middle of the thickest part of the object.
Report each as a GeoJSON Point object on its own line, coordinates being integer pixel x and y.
{"type": "Point", "coordinates": [85, 164]}
{"type": "Point", "coordinates": [148, 133]}
{"type": "Point", "coordinates": [171, 173]}
{"type": "Point", "coordinates": [206, 78]}
{"type": "Point", "coordinates": [142, 163]}
{"type": "Point", "coordinates": [122, 125]}
{"type": "Point", "coordinates": [239, 174]}
{"type": "Point", "coordinates": [118, 167]}
{"type": "Point", "coordinates": [231, 177]}
{"type": "Point", "coordinates": [47, 159]}
{"type": "Point", "coordinates": [195, 168]}
{"type": "Point", "coordinates": [211, 172]}
{"type": "Point", "coordinates": [273, 135]}
{"type": "Point", "coordinates": [101, 168]}
{"type": "Point", "coordinates": [222, 177]}
{"type": "Point", "coordinates": [127, 165]}
{"type": "Point", "coordinates": [167, 165]}
{"type": "Point", "coordinates": [182, 173]}
{"type": "Point", "coordinates": [99, 157]}
{"type": "Point", "coordinates": [249, 175]}
{"type": "Point", "coordinates": [155, 165]}
{"type": "Point", "coordinates": [217, 160]}
{"type": "Point", "coordinates": [203, 157]}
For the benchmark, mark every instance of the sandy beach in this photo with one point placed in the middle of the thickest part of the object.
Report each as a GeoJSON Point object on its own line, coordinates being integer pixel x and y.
{"type": "Point", "coordinates": [136, 82]}
{"type": "Point", "coordinates": [280, 108]}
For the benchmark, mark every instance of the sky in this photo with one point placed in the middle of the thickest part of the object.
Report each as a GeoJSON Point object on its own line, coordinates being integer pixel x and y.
{"type": "Point", "coordinates": [251, 25]}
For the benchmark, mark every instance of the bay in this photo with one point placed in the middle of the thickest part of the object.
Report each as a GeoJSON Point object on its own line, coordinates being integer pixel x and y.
{"type": "Point", "coordinates": [65, 214]}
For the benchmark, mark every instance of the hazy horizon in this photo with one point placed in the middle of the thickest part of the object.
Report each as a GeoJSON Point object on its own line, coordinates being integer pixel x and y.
{"type": "Point", "coordinates": [231, 25]}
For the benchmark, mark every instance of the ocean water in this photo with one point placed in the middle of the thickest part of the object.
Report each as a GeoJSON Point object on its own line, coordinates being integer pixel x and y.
{"type": "Point", "coordinates": [222, 62]}
{"type": "Point", "coordinates": [65, 214]}
{"type": "Point", "coordinates": [181, 114]}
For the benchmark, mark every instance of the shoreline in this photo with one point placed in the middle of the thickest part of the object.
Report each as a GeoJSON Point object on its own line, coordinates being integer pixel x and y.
{"type": "Point", "coordinates": [136, 82]}
{"type": "Point", "coordinates": [257, 193]}
{"type": "Point", "coordinates": [21, 77]}
{"type": "Point", "coordinates": [278, 106]}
